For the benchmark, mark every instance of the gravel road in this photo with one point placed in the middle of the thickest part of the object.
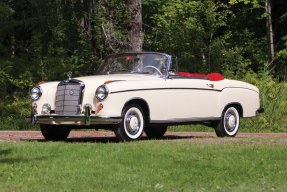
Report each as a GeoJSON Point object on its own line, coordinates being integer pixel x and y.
{"type": "Point", "coordinates": [99, 136]}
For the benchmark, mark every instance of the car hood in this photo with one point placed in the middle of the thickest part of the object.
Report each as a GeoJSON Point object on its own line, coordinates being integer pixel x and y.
{"type": "Point", "coordinates": [98, 80]}
{"type": "Point", "coordinates": [93, 82]}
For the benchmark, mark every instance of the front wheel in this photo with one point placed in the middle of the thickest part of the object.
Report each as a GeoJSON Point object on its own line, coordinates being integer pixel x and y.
{"type": "Point", "coordinates": [229, 123]}
{"type": "Point", "coordinates": [132, 125]}
{"type": "Point", "coordinates": [55, 132]}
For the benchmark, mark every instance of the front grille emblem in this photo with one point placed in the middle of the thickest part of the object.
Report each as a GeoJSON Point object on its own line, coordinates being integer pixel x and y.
{"type": "Point", "coordinates": [71, 92]}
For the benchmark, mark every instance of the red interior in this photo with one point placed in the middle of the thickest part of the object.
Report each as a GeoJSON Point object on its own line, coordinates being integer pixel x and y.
{"type": "Point", "coordinates": [211, 77]}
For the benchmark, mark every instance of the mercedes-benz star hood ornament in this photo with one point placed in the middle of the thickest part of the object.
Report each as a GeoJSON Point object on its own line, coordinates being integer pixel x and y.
{"type": "Point", "coordinates": [69, 74]}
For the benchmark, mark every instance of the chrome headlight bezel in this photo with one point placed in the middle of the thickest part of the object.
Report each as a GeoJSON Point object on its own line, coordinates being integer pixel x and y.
{"type": "Point", "coordinates": [36, 93]}
{"type": "Point", "coordinates": [102, 92]}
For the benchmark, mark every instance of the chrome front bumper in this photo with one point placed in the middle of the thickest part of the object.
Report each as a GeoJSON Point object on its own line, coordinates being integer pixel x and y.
{"type": "Point", "coordinates": [81, 119]}
{"type": "Point", "coordinates": [73, 119]}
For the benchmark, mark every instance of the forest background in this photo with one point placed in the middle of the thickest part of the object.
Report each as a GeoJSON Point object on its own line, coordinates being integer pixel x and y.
{"type": "Point", "coordinates": [242, 39]}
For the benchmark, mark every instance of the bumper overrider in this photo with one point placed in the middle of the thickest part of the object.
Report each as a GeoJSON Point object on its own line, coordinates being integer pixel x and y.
{"type": "Point", "coordinates": [81, 119]}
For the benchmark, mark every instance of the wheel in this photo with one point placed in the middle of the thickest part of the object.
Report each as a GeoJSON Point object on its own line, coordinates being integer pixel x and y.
{"type": "Point", "coordinates": [132, 125]}
{"type": "Point", "coordinates": [55, 132]}
{"type": "Point", "coordinates": [229, 123]}
{"type": "Point", "coordinates": [155, 132]}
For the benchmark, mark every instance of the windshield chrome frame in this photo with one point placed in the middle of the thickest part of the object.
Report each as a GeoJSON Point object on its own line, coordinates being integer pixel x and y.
{"type": "Point", "coordinates": [169, 61]}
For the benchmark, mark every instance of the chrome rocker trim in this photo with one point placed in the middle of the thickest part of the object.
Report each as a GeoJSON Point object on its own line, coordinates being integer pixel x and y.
{"type": "Point", "coordinates": [186, 120]}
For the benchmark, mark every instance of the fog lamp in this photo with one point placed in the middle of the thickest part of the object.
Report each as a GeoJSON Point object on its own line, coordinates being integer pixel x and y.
{"type": "Point", "coordinates": [46, 108]}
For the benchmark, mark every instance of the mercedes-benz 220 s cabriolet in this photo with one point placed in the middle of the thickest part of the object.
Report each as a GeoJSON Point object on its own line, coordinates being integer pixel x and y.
{"type": "Point", "coordinates": [141, 92]}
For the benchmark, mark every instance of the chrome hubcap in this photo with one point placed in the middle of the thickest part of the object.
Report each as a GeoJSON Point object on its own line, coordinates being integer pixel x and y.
{"type": "Point", "coordinates": [133, 124]}
{"type": "Point", "coordinates": [230, 121]}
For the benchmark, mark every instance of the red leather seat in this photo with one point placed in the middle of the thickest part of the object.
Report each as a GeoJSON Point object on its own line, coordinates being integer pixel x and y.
{"type": "Point", "coordinates": [211, 77]}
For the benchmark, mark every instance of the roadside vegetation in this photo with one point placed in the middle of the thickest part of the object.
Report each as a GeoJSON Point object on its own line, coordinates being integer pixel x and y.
{"type": "Point", "coordinates": [242, 39]}
{"type": "Point", "coordinates": [179, 165]}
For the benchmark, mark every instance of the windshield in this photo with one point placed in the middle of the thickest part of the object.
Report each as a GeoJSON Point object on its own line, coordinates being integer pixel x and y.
{"type": "Point", "coordinates": [145, 63]}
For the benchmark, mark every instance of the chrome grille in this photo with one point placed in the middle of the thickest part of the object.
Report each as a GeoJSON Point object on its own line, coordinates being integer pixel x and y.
{"type": "Point", "coordinates": [68, 98]}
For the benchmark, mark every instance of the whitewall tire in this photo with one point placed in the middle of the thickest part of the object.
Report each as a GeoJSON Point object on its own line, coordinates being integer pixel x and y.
{"type": "Point", "coordinates": [229, 123]}
{"type": "Point", "coordinates": [132, 125]}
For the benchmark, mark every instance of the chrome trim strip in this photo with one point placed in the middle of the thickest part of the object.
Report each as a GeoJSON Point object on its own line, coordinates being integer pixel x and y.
{"type": "Point", "coordinates": [186, 120]}
{"type": "Point", "coordinates": [202, 89]}
{"type": "Point", "coordinates": [84, 119]}
{"type": "Point", "coordinates": [184, 88]}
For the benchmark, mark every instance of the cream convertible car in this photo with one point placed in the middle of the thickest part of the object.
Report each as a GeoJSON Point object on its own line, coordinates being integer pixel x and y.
{"type": "Point", "coordinates": [141, 92]}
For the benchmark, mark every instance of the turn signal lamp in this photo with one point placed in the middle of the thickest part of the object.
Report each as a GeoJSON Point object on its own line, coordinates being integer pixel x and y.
{"type": "Point", "coordinates": [100, 107]}
{"type": "Point", "coordinates": [107, 82]}
{"type": "Point", "coordinates": [41, 82]}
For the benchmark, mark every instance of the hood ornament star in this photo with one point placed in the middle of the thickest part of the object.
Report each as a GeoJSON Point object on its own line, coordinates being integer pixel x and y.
{"type": "Point", "coordinates": [69, 74]}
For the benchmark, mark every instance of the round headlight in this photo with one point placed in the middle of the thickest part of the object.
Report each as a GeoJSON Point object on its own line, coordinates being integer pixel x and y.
{"type": "Point", "coordinates": [102, 92]}
{"type": "Point", "coordinates": [35, 93]}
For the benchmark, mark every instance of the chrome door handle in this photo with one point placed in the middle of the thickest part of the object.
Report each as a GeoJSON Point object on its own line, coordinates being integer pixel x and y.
{"type": "Point", "coordinates": [210, 85]}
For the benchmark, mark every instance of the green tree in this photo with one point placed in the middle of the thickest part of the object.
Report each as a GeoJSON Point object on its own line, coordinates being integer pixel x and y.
{"type": "Point", "coordinates": [193, 30]}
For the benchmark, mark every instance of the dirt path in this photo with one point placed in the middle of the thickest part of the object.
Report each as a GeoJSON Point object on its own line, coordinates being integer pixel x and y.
{"type": "Point", "coordinates": [98, 136]}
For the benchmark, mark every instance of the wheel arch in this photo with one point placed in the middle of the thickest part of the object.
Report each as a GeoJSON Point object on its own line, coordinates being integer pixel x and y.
{"type": "Point", "coordinates": [237, 105]}
{"type": "Point", "coordinates": [142, 103]}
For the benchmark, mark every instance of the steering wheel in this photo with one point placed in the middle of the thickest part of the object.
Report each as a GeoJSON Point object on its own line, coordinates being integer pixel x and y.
{"type": "Point", "coordinates": [150, 66]}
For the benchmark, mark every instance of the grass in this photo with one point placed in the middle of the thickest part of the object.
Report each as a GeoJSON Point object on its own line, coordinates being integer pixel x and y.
{"type": "Point", "coordinates": [249, 125]}
{"type": "Point", "coordinates": [16, 123]}
{"type": "Point", "coordinates": [142, 166]}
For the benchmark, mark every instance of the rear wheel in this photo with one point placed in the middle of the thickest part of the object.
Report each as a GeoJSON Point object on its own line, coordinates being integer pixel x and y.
{"type": "Point", "coordinates": [55, 132]}
{"type": "Point", "coordinates": [155, 132]}
{"type": "Point", "coordinates": [229, 123]}
{"type": "Point", "coordinates": [132, 125]}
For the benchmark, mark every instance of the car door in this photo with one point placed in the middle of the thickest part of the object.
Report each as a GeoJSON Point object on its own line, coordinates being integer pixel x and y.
{"type": "Point", "coordinates": [191, 98]}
